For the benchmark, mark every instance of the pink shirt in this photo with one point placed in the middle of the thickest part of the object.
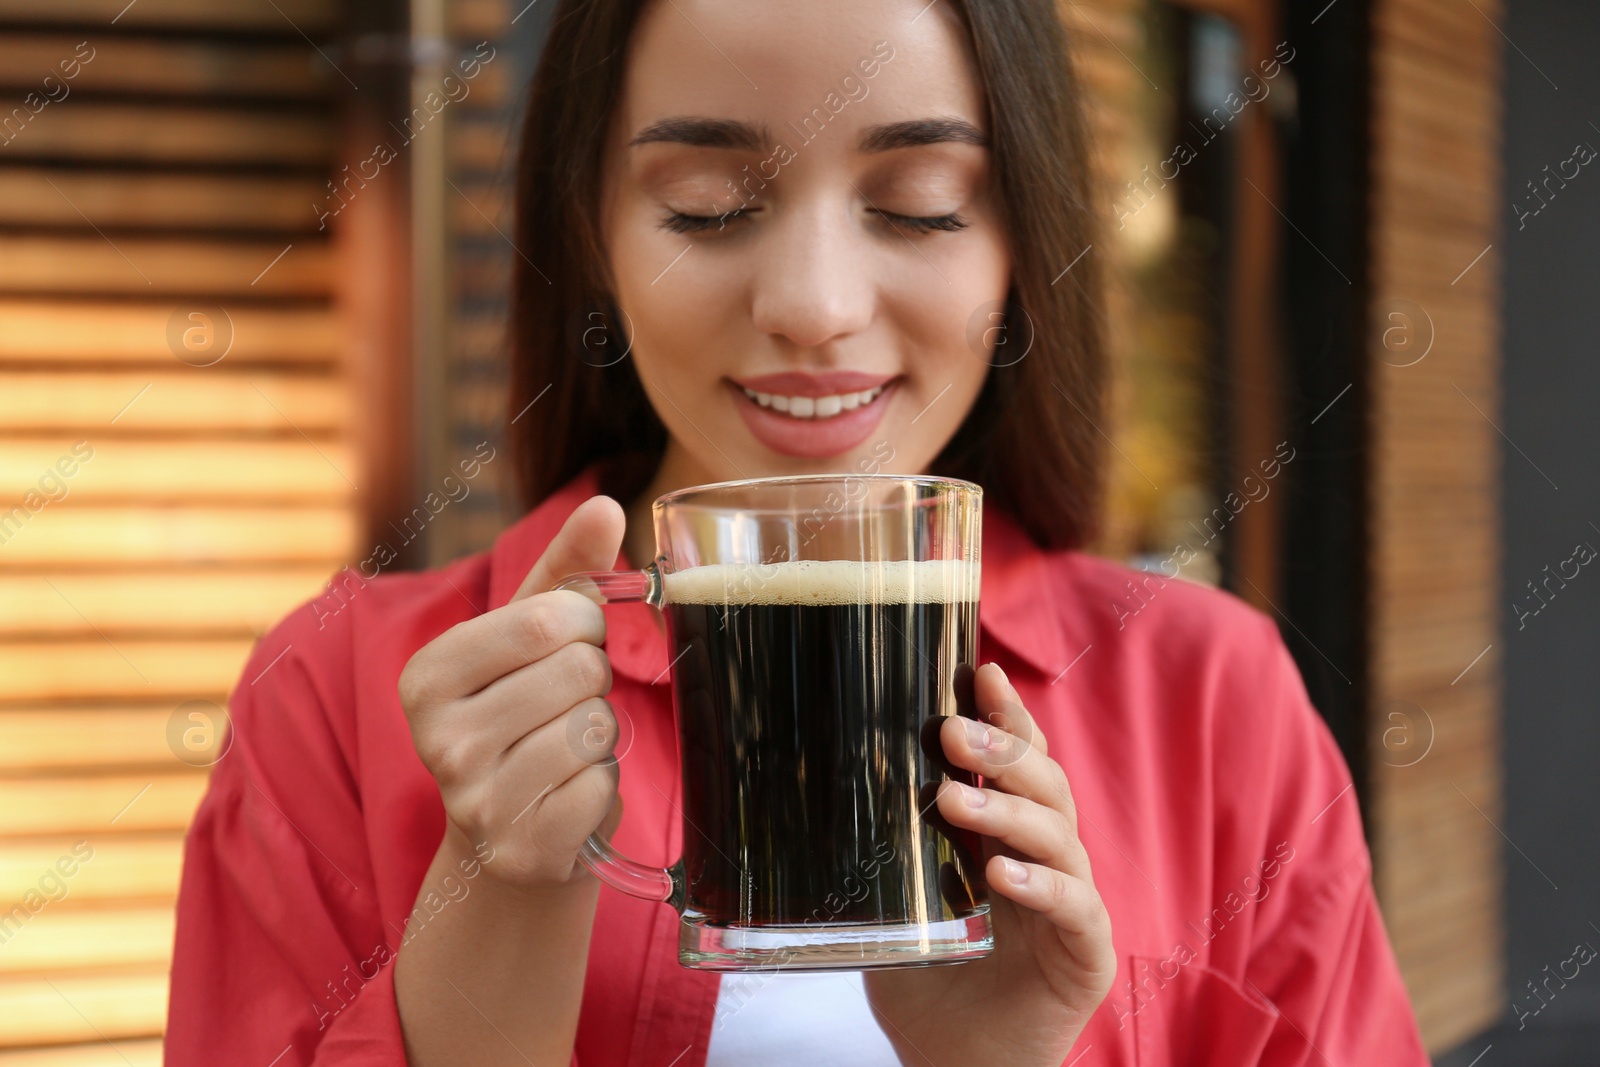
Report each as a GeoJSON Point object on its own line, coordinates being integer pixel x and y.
{"type": "Point", "coordinates": [1213, 803]}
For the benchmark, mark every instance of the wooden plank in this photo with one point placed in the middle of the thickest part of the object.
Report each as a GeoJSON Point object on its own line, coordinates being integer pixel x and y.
{"type": "Point", "coordinates": [125, 1053]}
{"type": "Point", "coordinates": [75, 331]}
{"type": "Point", "coordinates": [478, 144]}
{"type": "Point", "coordinates": [120, 866]}
{"type": "Point", "coordinates": [1436, 205]}
{"type": "Point", "coordinates": [156, 134]}
{"type": "Point", "coordinates": [490, 92]}
{"type": "Point", "coordinates": [479, 339]}
{"type": "Point", "coordinates": [89, 1008]}
{"type": "Point", "coordinates": [479, 19]}
{"type": "Point", "coordinates": [485, 276]}
{"type": "Point", "coordinates": [286, 17]}
{"type": "Point", "coordinates": [64, 535]}
{"type": "Point", "coordinates": [1453, 890]}
{"type": "Point", "coordinates": [1440, 588]}
{"type": "Point", "coordinates": [1429, 947]}
{"type": "Point", "coordinates": [1434, 656]}
{"type": "Point", "coordinates": [31, 196]}
{"type": "Point", "coordinates": [231, 601]}
{"type": "Point", "coordinates": [141, 265]}
{"type": "Point", "coordinates": [290, 471]}
{"type": "Point", "coordinates": [482, 210]}
{"type": "Point", "coordinates": [106, 670]}
{"type": "Point", "coordinates": [64, 937]}
{"type": "Point", "coordinates": [85, 739]}
{"type": "Point", "coordinates": [477, 405]}
{"type": "Point", "coordinates": [1434, 255]}
{"type": "Point", "coordinates": [120, 223]}
{"type": "Point", "coordinates": [1443, 796]}
{"type": "Point", "coordinates": [1431, 959]}
{"type": "Point", "coordinates": [144, 65]}
{"type": "Point", "coordinates": [76, 805]}
{"type": "Point", "coordinates": [1433, 33]}
{"type": "Point", "coordinates": [1414, 898]}
{"type": "Point", "coordinates": [173, 401]}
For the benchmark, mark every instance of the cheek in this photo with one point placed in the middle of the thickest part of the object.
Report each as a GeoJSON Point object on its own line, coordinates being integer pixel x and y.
{"type": "Point", "coordinates": [674, 301]}
{"type": "Point", "coordinates": [960, 292]}
{"type": "Point", "coordinates": [950, 326]}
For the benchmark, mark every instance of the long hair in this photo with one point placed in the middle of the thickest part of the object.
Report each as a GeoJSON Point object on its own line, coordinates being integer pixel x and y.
{"type": "Point", "coordinates": [1031, 438]}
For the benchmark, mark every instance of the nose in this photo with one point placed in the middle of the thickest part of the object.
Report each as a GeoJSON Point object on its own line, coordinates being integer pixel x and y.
{"type": "Point", "coordinates": [813, 280]}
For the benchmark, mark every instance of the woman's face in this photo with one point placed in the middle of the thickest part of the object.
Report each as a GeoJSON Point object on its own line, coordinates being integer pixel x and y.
{"type": "Point", "coordinates": [802, 232]}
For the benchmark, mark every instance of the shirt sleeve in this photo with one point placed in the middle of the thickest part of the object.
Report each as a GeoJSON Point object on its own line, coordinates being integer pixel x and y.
{"type": "Point", "coordinates": [281, 955]}
{"type": "Point", "coordinates": [1320, 959]}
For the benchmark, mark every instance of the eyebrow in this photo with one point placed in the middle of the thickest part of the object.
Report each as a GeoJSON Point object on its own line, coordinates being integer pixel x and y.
{"type": "Point", "coordinates": [731, 133]}
{"type": "Point", "coordinates": [704, 133]}
{"type": "Point", "coordinates": [916, 132]}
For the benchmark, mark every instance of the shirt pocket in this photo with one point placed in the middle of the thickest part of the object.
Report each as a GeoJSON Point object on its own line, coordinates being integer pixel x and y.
{"type": "Point", "coordinates": [1196, 1018]}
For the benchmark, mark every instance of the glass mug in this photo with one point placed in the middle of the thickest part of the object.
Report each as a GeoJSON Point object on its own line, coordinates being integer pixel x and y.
{"type": "Point", "coordinates": [820, 628]}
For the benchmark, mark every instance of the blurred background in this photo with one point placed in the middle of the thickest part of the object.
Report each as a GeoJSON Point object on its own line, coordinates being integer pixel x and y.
{"type": "Point", "coordinates": [254, 258]}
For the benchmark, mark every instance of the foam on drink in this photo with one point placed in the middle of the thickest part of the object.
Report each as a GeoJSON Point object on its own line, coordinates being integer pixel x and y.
{"type": "Point", "coordinates": [826, 582]}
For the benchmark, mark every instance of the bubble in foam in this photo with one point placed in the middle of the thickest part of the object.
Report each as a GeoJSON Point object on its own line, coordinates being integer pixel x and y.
{"type": "Point", "coordinates": [826, 582]}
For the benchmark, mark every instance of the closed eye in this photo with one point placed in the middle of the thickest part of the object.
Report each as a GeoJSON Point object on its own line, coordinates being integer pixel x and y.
{"type": "Point", "coordinates": [923, 223]}
{"type": "Point", "coordinates": [678, 222]}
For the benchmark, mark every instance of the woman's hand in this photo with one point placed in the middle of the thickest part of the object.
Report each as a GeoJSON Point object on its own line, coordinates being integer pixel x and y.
{"type": "Point", "coordinates": [508, 713]}
{"type": "Point", "coordinates": [1053, 962]}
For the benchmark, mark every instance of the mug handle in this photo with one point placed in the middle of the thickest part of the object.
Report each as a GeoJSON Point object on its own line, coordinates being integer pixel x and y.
{"type": "Point", "coordinates": [663, 884]}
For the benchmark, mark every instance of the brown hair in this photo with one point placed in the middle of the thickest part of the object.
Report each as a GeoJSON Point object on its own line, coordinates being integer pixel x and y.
{"type": "Point", "coordinates": [1031, 439]}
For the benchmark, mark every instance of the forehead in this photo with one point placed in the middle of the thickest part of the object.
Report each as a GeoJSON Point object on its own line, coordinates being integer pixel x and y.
{"type": "Point", "coordinates": [771, 63]}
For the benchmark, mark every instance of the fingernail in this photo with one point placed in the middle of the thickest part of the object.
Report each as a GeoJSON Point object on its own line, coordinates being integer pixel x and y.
{"type": "Point", "coordinates": [1006, 678]}
{"type": "Point", "coordinates": [974, 798]}
{"type": "Point", "coordinates": [977, 734]}
{"type": "Point", "coordinates": [1016, 873]}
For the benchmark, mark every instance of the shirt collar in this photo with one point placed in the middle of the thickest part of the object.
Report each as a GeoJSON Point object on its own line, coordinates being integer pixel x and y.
{"type": "Point", "coordinates": [1018, 599]}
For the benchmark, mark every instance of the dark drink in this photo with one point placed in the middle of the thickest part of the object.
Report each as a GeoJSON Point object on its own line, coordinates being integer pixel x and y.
{"type": "Point", "coordinates": [808, 695]}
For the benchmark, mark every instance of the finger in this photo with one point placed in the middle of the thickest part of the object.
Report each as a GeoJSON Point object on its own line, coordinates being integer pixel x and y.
{"type": "Point", "coordinates": [472, 654]}
{"type": "Point", "coordinates": [1031, 830]}
{"type": "Point", "coordinates": [548, 757]}
{"type": "Point", "coordinates": [1008, 764]}
{"type": "Point", "coordinates": [1072, 905]}
{"type": "Point", "coordinates": [554, 822]}
{"type": "Point", "coordinates": [588, 541]}
{"type": "Point", "coordinates": [999, 704]}
{"type": "Point", "coordinates": [544, 761]}
{"type": "Point", "coordinates": [454, 738]}
{"type": "Point", "coordinates": [533, 624]}
{"type": "Point", "coordinates": [525, 699]}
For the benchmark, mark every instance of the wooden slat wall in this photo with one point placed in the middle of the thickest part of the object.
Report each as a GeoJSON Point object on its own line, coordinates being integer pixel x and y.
{"type": "Point", "coordinates": [1435, 140]}
{"type": "Point", "coordinates": [480, 161]}
{"type": "Point", "coordinates": [1108, 38]}
{"type": "Point", "coordinates": [1103, 35]}
{"type": "Point", "coordinates": [1434, 552]}
{"type": "Point", "coordinates": [181, 170]}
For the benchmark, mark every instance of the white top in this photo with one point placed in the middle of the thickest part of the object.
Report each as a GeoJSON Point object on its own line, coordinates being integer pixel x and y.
{"type": "Point", "coordinates": [796, 1019]}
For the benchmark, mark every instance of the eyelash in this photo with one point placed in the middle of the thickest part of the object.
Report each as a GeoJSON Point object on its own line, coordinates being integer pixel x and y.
{"type": "Point", "coordinates": [678, 222]}
{"type": "Point", "coordinates": [925, 223]}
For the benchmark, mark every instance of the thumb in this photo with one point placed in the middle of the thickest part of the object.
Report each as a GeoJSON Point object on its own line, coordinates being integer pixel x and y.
{"type": "Point", "coordinates": [589, 541]}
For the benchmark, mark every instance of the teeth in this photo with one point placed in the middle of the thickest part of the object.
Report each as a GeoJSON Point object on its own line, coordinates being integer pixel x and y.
{"type": "Point", "coordinates": [814, 407]}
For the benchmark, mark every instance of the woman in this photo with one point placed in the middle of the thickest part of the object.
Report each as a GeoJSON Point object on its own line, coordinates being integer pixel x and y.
{"type": "Point", "coordinates": [761, 240]}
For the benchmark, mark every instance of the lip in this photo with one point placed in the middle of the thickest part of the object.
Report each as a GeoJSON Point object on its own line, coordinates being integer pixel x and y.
{"type": "Point", "coordinates": [813, 438]}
